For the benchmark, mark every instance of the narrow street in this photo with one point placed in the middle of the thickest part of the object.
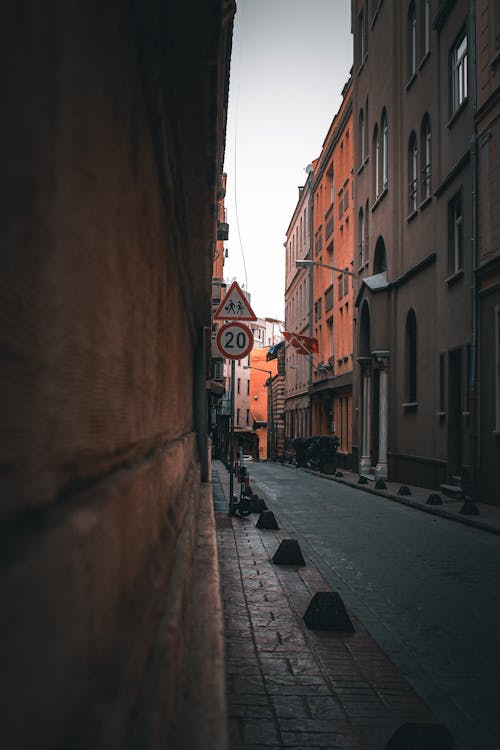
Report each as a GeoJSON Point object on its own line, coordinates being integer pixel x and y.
{"type": "Point", "coordinates": [426, 589]}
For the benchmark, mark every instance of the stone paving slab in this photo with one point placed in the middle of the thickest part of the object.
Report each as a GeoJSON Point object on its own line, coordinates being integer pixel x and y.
{"type": "Point", "coordinates": [287, 686]}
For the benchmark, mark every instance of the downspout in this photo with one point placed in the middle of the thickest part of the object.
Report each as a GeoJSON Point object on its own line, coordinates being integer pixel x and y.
{"type": "Point", "coordinates": [311, 289]}
{"type": "Point", "coordinates": [474, 294]}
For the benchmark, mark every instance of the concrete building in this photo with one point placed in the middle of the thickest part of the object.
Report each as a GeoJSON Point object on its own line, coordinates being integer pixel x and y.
{"type": "Point", "coordinates": [486, 373]}
{"type": "Point", "coordinates": [298, 288]}
{"type": "Point", "coordinates": [414, 219]}
{"type": "Point", "coordinates": [112, 154]}
{"type": "Point", "coordinates": [332, 187]}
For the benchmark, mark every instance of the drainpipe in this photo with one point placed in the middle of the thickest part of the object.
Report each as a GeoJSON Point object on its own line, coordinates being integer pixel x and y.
{"type": "Point", "coordinates": [471, 490]}
{"type": "Point", "coordinates": [311, 290]}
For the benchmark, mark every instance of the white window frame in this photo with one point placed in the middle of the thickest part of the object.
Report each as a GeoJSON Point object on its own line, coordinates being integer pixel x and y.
{"type": "Point", "coordinates": [459, 83]}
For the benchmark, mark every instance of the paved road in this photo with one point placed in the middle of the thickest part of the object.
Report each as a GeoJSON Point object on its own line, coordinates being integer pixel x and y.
{"type": "Point", "coordinates": [426, 588]}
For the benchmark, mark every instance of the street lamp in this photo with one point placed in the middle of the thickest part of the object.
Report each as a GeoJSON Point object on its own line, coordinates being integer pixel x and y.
{"type": "Point", "coordinates": [272, 431]}
{"type": "Point", "coordinates": [308, 263]}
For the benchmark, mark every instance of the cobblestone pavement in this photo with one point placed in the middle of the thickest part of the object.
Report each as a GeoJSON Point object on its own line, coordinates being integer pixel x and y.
{"type": "Point", "coordinates": [288, 686]}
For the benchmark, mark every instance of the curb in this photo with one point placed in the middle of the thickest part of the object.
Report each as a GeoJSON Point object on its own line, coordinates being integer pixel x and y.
{"type": "Point", "coordinates": [465, 520]}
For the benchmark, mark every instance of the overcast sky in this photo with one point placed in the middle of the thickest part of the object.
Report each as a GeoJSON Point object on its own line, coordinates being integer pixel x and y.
{"type": "Point", "coordinates": [290, 61]}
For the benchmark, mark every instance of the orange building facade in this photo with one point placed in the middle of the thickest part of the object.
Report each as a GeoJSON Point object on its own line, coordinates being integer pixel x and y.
{"type": "Point", "coordinates": [332, 304]}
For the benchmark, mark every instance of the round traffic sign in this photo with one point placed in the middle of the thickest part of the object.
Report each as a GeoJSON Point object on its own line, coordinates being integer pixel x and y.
{"type": "Point", "coordinates": [234, 340]}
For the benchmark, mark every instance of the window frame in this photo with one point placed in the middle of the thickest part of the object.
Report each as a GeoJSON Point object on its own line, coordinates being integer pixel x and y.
{"type": "Point", "coordinates": [455, 234]}
{"type": "Point", "coordinates": [426, 158]}
{"type": "Point", "coordinates": [459, 72]}
{"type": "Point", "coordinates": [412, 173]}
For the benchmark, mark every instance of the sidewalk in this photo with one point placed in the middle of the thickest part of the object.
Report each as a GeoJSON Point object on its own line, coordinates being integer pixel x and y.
{"type": "Point", "coordinates": [288, 686]}
{"type": "Point", "coordinates": [488, 518]}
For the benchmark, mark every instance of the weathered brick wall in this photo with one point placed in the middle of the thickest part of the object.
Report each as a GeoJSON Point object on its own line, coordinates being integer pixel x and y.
{"type": "Point", "coordinates": [99, 322]}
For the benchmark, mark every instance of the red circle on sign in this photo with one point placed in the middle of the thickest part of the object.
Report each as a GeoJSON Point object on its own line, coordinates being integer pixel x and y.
{"type": "Point", "coordinates": [233, 347]}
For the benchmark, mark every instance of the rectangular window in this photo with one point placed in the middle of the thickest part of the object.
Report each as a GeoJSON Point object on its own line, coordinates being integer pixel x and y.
{"type": "Point", "coordinates": [248, 416]}
{"type": "Point", "coordinates": [346, 284]}
{"type": "Point", "coordinates": [248, 387]}
{"type": "Point", "coordinates": [455, 234]}
{"type": "Point", "coordinates": [239, 384]}
{"type": "Point", "coordinates": [341, 288]}
{"type": "Point", "coordinates": [237, 416]}
{"type": "Point", "coordinates": [459, 72]}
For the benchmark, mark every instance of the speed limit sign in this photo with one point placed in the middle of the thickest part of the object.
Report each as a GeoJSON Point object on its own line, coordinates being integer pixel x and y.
{"type": "Point", "coordinates": [234, 340]}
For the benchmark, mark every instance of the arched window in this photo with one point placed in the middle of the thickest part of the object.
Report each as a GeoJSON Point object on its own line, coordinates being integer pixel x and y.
{"type": "Point", "coordinates": [425, 141]}
{"type": "Point", "coordinates": [412, 173]}
{"type": "Point", "coordinates": [412, 40]}
{"type": "Point", "coordinates": [411, 357]}
{"type": "Point", "coordinates": [385, 147]}
{"type": "Point", "coordinates": [380, 260]}
{"type": "Point", "coordinates": [376, 162]}
{"type": "Point", "coordinates": [425, 27]}
{"type": "Point", "coordinates": [361, 236]}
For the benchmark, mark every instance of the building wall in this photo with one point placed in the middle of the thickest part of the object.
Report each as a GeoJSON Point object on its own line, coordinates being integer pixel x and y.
{"type": "Point", "coordinates": [105, 288]}
{"type": "Point", "coordinates": [298, 317]}
{"type": "Point", "coordinates": [331, 389]}
{"type": "Point", "coordinates": [429, 430]}
{"type": "Point", "coordinates": [488, 246]}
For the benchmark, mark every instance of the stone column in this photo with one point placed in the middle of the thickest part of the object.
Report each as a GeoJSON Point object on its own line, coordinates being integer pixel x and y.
{"type": "Point", "coordinates": [382, 361]}
{"type": "Point", "coordinates": [366, 420]}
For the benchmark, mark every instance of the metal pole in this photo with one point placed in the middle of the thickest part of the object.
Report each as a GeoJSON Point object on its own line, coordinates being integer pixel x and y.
{"type": "Point", "coordinates": [271, 414]}
{"type": "Point", "coordinates": [231, 445]}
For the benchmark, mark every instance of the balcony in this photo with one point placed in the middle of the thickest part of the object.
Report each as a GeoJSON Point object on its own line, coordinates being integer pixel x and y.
{"type": "Point", "coordinates": [329, 228]}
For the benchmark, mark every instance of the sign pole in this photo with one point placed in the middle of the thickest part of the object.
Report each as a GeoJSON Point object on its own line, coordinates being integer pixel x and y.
{"type": "Point", "coordinates": [231, 444]}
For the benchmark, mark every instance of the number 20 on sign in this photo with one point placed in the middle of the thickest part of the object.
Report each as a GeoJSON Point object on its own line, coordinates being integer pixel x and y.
{"type": "Point", "coordinates": [234, 340]}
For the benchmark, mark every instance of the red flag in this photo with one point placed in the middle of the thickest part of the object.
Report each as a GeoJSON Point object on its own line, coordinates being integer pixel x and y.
{"type": "Point", "coordinates": [303, 344]}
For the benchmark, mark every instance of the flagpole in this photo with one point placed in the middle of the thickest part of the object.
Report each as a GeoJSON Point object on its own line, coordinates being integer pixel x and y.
{"type": "Point", "coordinates": [301, 343]}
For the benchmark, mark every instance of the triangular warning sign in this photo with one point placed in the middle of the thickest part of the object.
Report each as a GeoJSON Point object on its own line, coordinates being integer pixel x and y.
{"type": "Point", "coordinates": [234, 306]}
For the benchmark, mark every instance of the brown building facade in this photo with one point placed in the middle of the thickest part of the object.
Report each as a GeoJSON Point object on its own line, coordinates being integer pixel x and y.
{"type": "Point", "coordinates": [414, 220]}
{"type": "Point", "coordinates": [487, 143]}
{"type": "Point", "coordinates": [112, 154]}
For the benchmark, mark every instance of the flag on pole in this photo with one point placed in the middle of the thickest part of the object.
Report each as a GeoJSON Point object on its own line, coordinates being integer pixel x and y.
{"type": "Point", "coordinates": [303, 344]}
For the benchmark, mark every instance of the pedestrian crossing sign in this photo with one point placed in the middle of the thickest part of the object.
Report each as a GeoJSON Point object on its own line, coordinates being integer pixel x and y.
{"type": "Point", "coordinates": [234, 306]}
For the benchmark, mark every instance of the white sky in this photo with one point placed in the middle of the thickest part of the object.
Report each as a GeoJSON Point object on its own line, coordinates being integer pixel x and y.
{"type": "Point", "coordinates": [290, 61]}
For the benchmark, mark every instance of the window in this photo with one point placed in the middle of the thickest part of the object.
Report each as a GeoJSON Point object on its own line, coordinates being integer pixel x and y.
{"type": "Point", "coordinates": [239, 384]}
{"type": "Point", "coordinates": [237, 416]}
{"type": "Point", "coordinates": [459, 73]}
{"type": "Point", "coordinates": [248, 387]}
{"type": "Point", "coordinates": [346, 283]}
{"type": "Point", "coordinates": [412, 173]}
{"type": "Point", "coordinates": [248, 416]}
{"type": "Point", "coordinates": [455, 234]}
{"type": "Point", "coordinates": [361, 136]}
{"type": "Point", "coordinates": [426, 158]}
{"type": "Point", "coordinates": [411, 357]}
{"type": "Point", "coordinates": [341, 287]}
{"type": "Point", "coordinates": [412, 41]}
{"type": "Point", "coordinates": [361, 236]}
{"type": "Point", "coordinates": [385, 146]}
{"type": "Point", "coordinates": [361, 37]}
{"type": "Point", "coordinates": [376, 164]}
{"type": "Point", "coordinates": [425, 13]}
